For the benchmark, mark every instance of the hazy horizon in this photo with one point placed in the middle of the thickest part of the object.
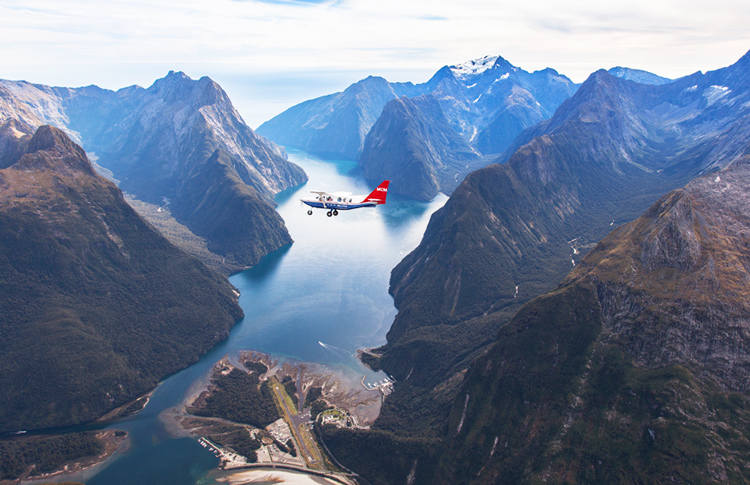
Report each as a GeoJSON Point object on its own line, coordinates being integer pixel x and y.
{"type": "Point", "coordinates": [272, 54]}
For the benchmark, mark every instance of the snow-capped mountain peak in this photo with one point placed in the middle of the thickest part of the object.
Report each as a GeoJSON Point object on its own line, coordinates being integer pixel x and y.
{"type": "Point", "coordinates": [473, 68]}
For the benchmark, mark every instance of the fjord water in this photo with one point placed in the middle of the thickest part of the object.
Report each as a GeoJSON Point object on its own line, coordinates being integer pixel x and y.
{"type": "Point", "coordinates": [318, 300]}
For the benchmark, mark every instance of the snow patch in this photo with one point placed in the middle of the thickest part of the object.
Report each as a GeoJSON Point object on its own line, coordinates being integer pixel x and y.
{"type": "Point", "coordinates": [473, 68]}
{"type": "Point", "coordinates": [463, 415]}
{"type": "Point", "coordinates": [715, 93]}
{"type": "Point", "coordinates": [473, 135]}
{"type": "Point", "coordinates": [494, 447]}
{"type": "Point", "coordinates": [505, 76]}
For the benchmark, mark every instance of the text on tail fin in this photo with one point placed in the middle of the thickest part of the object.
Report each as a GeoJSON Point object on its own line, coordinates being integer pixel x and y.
{"type": "Point", "coordinates": [378, 195]}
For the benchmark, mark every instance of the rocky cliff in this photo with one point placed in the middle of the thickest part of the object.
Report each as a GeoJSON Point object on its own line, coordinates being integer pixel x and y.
{"type": "Point", "coordinates": [635, 369]}
{"type": "Point", "coordinates": [510, 233]}
{"type": "Point", "coordinates": [487, 101]}
{"type": "Point", "coordinates": [96, 306]}
{"type": "Point", "coordinates": [413, 145]}
{"type": "Point", "coordinates": [156, 141]}
{"type": "Point", "coordinates": [336, 125]}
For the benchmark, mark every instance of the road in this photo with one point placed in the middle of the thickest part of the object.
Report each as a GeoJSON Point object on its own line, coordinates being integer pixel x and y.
{"type": "Point", "coordinates": [298, 424]}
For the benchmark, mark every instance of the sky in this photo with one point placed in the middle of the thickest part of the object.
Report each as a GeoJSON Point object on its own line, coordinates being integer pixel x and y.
{"type": "Point", "coordinates": [272, 54]}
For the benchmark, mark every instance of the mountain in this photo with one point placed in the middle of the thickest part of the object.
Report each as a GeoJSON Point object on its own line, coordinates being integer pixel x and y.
{"type": "Point", "coordinates": [158, 141]}
{"type": "Point", "coordinates": [511, 232]}
{"type": "Point", "coordinates": [96, 306]}
{"type": "Point", "coordinates": [635, 369]}
{"type": "Point", "coordinates": [414, 146]}
{"type": "Point", "coordinates": [487, 101]}
{"type": "Point", "coordinates": [336, 125]}
{"type": "Point", "coordinates": [639, 76]}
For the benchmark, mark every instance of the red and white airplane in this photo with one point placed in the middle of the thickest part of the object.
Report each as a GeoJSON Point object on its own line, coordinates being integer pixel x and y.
{"type": "Point", "coordinates": [342, 201]}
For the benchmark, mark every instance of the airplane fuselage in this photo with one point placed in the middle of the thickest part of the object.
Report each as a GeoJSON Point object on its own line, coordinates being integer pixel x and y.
{"type": "Point", "coordinates": [336, 204]}
{"type": "Point", "coordinates": [342, 201]}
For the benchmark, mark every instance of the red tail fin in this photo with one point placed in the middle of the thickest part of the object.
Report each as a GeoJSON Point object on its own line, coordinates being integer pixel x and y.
{"type": "Point", "coordinates": [378, 195]}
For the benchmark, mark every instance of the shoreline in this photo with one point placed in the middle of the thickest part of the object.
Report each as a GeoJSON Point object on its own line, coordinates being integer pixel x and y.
{"type": "Point", "coordinates": [340, 388]}
{"type": "Point", "coordinates": [113, 441]}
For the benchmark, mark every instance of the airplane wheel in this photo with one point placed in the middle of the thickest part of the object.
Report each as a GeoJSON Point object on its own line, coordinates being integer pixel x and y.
{"type": "Point", "coordinates": [329, 214]}
{"type": "Point", "coordinates": [309, 213]}
{"type": "Point", "coordinates": [335, 213]}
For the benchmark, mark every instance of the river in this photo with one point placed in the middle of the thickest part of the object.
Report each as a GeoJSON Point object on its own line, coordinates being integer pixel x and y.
{"type": "Point", "coordinates": [318, 300]}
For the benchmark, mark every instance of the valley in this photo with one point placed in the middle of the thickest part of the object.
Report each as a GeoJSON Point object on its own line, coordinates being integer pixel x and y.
{"type": "Point", "coordinates": [290, 316]}
{"type": "Point", "coordinates": [574, 312]}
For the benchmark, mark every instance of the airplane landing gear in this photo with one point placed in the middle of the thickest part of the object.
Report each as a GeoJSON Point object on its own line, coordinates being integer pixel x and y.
{"type": "Point", "coordinates": [329, 213]}
{"type": "Point", "coordinates": [309, 212]}
{"type": "Point", "coordinates": [335, 212]}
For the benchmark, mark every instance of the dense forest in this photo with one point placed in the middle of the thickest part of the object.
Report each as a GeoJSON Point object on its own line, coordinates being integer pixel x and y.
{"type": "Point", "coordinates": [95, 304]}
{"type": "Point", "coordinates": [240, 397]}
{"type": "Point", "coordinates": [47, 453]}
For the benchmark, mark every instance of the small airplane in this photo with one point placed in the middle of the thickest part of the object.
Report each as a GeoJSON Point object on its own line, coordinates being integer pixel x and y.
{"type": "Point", "coordinates": [343, 201]}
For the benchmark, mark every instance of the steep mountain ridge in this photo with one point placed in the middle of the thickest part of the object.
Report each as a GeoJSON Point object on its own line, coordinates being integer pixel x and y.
{"type": "Point", "coordinates": [156, 140]}
{"type": "Point", "coordinates": [638, 75]}
{"type": "Point", "coordinates": [634, 369]}
{"type": "Point", "coordinates": [414, 146]}
{"type": "Point", "coordinates": [96, 305]}
{"type": "Point", "coordinates": [511, 232]}
{"type": "Point", "coordinates": [482, 252]}
{"type": "Point", "coordinates": [336, 125]}
{"type": "Point", "coordinates": [479, 108]}
{"type": "Point", "coordinates": [489, 101]}
{"type": "Point", "coordinates": [487, 106]}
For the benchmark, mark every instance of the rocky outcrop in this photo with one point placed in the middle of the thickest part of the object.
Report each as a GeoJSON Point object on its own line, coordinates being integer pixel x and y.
{"type": "Point", "coordinates": [511, 232]}
{"type": "Point", "coordinates": [689, 274]}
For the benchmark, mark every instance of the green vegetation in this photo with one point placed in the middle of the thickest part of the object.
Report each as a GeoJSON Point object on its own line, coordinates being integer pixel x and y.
{"type": "Point", "coordinates": [95, 306]}
{"type": "Point", "coordinates": [240, 397]}
{"type": "Point", "coordinates": [379, 456]}
{"type": "Point", "coordinates": [317, 407]}
{"type": "Point", "coordinates": [179, 235]}
{"type": "Point", "coordinates": [313, 394]}
{"type": "Point", "coordinates": [370, 360]}
{"type": "Point", "coordinates": [290, 386]}
{"type": "Point", "coordinates": [214, 198]}
{"type": "Point", "coordinates": [241, 442]}
{"type": "Point", "coordinates": [135, 407]}
{"type": "Point", "coordinates": [47, 454]}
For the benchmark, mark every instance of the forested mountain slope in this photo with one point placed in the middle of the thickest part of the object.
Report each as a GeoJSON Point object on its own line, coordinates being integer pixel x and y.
{"type": "Point", "coordinates": [96, 306]}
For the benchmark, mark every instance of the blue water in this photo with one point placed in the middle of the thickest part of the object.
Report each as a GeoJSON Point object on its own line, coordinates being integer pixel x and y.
{"type": "Point", "coordinates": [318, 300]}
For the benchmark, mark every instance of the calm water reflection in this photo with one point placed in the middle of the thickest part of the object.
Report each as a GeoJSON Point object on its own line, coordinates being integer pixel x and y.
{"type": "Point", "coordinates": [318, 300]}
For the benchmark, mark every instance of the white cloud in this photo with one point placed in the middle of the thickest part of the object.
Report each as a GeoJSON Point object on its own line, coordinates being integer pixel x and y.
{"type": "Point", "coordinates": [117, 43]}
